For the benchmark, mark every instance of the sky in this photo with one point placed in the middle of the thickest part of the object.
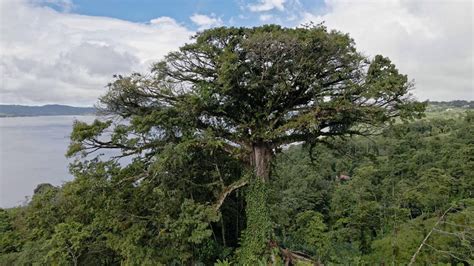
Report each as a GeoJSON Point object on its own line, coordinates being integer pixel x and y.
{"type": "Point", "coordinates": [66, 51]}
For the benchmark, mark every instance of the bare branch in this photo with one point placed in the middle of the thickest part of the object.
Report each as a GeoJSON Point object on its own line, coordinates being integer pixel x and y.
{"type": "Point", "coordinates": [227, 190]}
{"type": "Point", "coordinates": [423, 243]}
{"type": "Point", "coordinates": [445, 252]}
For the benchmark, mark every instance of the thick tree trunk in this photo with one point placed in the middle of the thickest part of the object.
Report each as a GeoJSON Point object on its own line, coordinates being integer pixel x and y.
{"type": "Point", "coordinates": [261, 158]}
{"type": "Point", "coordinates": [257, 235]}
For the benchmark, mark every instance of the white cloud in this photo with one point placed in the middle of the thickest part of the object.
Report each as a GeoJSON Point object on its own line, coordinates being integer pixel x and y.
{"type": "Point", "coordinates": [48, 56]}
{"type": "Point", "coordinates": [431, 41]}
{"type": "Point", "coordinates": [205, 22]}
{"type": "Point", "coordinates": [265, 17]}
{"type": "Point", "coordinates": [267, 5]}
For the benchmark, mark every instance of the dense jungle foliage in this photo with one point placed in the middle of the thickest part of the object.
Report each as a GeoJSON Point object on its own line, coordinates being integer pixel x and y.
{"type": "Point", "coordinates": [370, 201]}
{"type": "Point", "coordinates": [256, 146]}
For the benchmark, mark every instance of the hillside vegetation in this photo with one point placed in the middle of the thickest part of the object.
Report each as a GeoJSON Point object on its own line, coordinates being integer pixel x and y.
{"type": "Point", "coordinates": [368, 201]}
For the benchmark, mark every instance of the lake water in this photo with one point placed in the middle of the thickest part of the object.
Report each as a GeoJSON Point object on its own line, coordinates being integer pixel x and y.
{"type": "Point", "coordinates": [32, 152]}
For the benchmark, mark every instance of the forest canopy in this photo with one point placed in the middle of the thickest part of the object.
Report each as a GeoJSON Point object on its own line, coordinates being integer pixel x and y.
{"type": "Point", "coordinates": [257, 145]}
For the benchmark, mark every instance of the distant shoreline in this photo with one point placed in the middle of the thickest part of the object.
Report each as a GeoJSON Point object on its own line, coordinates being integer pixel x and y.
{"type": "Point", "coordinates": [45, 110]}
{"type": "Point", "coordinates": [18, 116]}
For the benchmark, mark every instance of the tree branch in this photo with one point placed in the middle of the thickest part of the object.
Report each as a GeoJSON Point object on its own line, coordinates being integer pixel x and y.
{"type": "Point", "coordinates": [423, 243]}
{"type": "Point", "coordinates": [445, 252]}
{"type": "Point", "coordinates": [227, 190]}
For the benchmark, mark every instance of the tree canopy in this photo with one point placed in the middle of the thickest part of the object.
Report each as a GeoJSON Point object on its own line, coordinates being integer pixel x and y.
{"type": "Point", "coordinates": [253, 90]}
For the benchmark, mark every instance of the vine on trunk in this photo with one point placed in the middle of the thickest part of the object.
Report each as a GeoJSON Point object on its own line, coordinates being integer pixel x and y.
{"type": "Point", "coordinates": [254, 242]}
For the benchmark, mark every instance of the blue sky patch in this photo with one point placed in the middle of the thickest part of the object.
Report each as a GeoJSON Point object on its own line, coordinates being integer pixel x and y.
{"type": "Point", "coordinates": [226, 12]}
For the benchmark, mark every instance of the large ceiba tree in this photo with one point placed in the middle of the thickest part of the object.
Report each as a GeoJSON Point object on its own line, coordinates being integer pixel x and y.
{"type": "Point", "coordinates": [249, 92]}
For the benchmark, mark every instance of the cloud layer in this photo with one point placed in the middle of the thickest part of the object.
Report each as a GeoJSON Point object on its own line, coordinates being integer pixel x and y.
{"type": "Point", "coordinates": [205, 22]}
{"type": "Point", "coordinates": [267, 5]}
{"type": "Point", "coordinates": [48, 56]}
{"type": "Point", "coordinates": [431, 41]}
{"type": "Point", "coordinates": [53, 57]}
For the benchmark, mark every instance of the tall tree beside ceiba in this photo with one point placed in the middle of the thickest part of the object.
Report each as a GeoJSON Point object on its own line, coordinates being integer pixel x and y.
{"type": "Point", "coordinates": [252, 91]}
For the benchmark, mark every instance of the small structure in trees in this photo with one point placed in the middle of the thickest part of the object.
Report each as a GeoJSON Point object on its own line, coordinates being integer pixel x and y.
{"type": "Point", "coordinates": [344, 177]}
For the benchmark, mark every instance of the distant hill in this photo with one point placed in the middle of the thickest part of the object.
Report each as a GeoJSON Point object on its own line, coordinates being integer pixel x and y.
{"type": "Point", "coordinates": [45, 110]}
{"type": "Point", "coordinates": [453, 104]}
